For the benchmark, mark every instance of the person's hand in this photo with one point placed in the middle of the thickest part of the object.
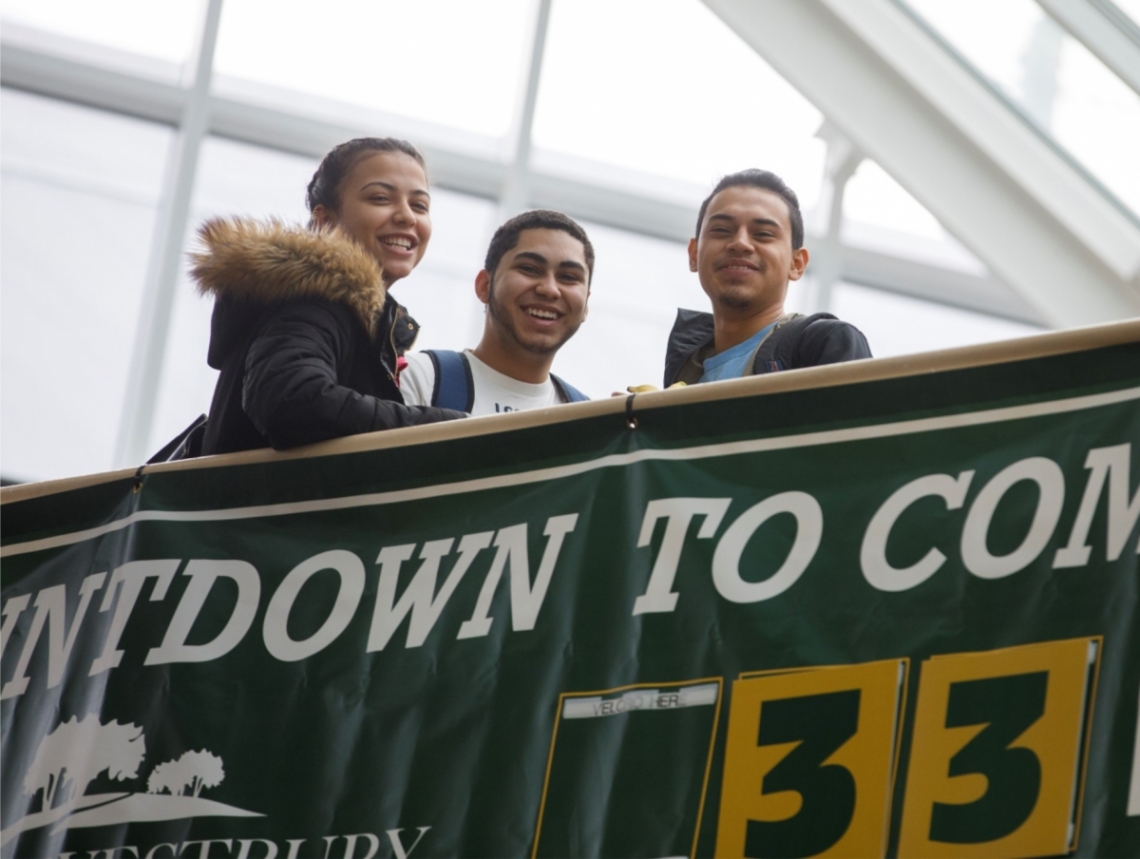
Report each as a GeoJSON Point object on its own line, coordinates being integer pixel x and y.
{"type": "Point", "coordinates": [635, 389]}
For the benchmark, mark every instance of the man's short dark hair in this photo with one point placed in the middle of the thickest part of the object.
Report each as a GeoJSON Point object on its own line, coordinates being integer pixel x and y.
{"type": "Point", "coordinates": [769, 182]}
{"type": "Point", "coordinates": [506, 238]}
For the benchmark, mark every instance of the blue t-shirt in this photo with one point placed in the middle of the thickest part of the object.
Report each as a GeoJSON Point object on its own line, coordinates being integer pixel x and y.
{"type": "Point", "coordinates": [731, 363]}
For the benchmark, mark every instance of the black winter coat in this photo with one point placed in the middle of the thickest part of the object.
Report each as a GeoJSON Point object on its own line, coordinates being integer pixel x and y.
{"type": "Point", "coordinates": [305, 337]}
{"type": "Point", "coordinates": [796, 341]}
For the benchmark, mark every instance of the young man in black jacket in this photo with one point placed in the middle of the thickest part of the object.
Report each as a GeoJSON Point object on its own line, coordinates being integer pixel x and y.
{"type": "Point", "coordinates": [748, 247]}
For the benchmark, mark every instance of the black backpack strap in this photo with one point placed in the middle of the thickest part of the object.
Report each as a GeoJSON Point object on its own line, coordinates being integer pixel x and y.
{"type": "Point", "coordinates": [787, 330]}
{"type": "Point", "coordinates": [568, 392]}
{"type": "Point", "coordinates": [692, 330]}
{"type": "Point", "coordinates": [186, 444]}
{"type": "Point", "coordinates": [454, 387]}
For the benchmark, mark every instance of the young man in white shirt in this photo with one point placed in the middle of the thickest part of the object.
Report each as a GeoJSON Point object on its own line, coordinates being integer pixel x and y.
{"type": "Point", "coordinates": [536, 285]}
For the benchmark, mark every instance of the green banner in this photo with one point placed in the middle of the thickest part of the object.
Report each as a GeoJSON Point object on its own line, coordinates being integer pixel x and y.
{"type": "Point", "coordinates": [870, 610]}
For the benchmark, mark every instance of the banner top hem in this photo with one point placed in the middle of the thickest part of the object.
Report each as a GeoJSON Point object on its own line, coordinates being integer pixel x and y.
{"type": "Point", "coordinates": [875, 369]}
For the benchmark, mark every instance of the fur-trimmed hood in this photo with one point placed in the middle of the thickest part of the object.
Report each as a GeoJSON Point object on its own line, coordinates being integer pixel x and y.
{"type": "Point", "coordinates": [269, 262]}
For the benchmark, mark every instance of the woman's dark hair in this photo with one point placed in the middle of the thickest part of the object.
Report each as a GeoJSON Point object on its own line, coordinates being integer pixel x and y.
{"type": "Point", "coordinates": [324, 189]}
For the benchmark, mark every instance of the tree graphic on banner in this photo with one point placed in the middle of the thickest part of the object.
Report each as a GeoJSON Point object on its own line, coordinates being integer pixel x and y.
{"type": "Point", "coordinates": [188, 774]}
{"type": "Point", "coordinates": [77, 751]}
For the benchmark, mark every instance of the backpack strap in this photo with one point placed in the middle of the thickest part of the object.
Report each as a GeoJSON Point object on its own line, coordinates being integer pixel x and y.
{"type": "Point", "coordinates": [454, 388]}
{"type": "Point", "coordinates": [787, 330]}
{"type": "Point", "coordinates": [186, 444]}
{"type": "Point", "coordinates": [567, 391]}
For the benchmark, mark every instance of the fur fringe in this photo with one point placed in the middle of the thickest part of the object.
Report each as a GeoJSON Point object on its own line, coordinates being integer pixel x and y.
{"type": "Point", "coordinates": [271, 262]}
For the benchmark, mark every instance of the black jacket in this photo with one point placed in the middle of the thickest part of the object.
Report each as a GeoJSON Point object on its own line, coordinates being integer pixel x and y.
{"type": "Point", "coordinates": [795, 342]}
{"type": "Point", "coordinates": [305, 337]}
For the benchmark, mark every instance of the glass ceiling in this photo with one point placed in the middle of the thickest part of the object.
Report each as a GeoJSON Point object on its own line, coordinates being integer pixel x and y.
{"type": "Point", "coordinates": [165, 30]}
{"type": "Point", "coordinates": [1054, 80]}
{"type": "Point", "coordinates": [666, 88]}
{"type": "Point", "coordinates": [1131, 8]}
{"type": "Point", "coordinates": [396, 57]}
{"type": "Point", "coordinates": [658, 95]}
{"type": "Point", "coordinates": [663, 87]}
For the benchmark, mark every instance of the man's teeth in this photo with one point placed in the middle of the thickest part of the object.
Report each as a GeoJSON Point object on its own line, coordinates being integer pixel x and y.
{"type": "Point", "coordinates": [398, 242]}
{"type": "Point", "coordinates": [542, 314]}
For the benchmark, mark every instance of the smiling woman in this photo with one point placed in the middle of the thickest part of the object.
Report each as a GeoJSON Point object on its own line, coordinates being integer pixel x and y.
{"type": "Point", "coordinates": [305, 332]}
{"type": "Point", "coordinates": [376, 191]}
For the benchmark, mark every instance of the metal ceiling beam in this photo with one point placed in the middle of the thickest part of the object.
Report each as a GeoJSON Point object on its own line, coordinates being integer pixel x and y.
{"type": "Point", "coordinates": [993, 183]}
{"type": "Point", "coordinates": [305, 125]}
{"type": "Point", "coordinates": [1051, 177]}
{"type": "Point", "coordinates": [914, 279]}
{"type": "Point", "coordinates": [61, 68]}
{"type": "Point", "coordinates": [516, 191]}
{"type": "Point", "coordinates": [843, 159]}
{"type": "Point", "coordinates": [1105, 31]}
{"type": "Point", "coordinates": [149, 351]}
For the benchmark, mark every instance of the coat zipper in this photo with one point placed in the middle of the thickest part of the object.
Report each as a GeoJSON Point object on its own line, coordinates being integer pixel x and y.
{"type": "Point", "coordinates": [392, 342]}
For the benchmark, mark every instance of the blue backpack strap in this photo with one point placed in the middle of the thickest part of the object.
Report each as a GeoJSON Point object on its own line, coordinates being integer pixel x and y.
{"type": "Point", "coordinates": [569, 393]}
{"type": "Point", "coordinates": [453, 387]}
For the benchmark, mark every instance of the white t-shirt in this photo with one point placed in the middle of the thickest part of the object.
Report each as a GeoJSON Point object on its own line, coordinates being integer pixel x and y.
{"type": "Point", "coordinates": [494, 392]}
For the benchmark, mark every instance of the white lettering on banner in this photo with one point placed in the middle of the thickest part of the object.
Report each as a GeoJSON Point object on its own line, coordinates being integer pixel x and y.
{"type": "Point", "coordinates": [418, 603]}
{"type": "Point", "coordinates": [726, 560]}
{"type": "Point", "coordinates": [873, 554]}
{"type": "Point", "coordinates": [1134, 786]}
{"type": "Point", "coordinates": [51, 610]}
{"type": "Point", "coordinates": [274, 629]}
{"type": "Point", "coordinates": [635, 700]}
{"type": "Point", "coordinates": [526, 600]}
{"type": "Point", "coordinates": [63, 618]}
{"type": "Point", "coordinates": [204, 847]}
{"type": "Point", "coordinates": [350, 845]}
{"type": "Point", "coordinates": [1113, 463]}
{"type": "Point", "coordinates": [12, 610]}
{"type": "Point", "coordinates": [245, 845]}
{"type": "Point", "coordinates": [1051, 497]}
{"type": "Point", "coordinates": [659, 595]}
{"type": "Point", "coordinates": [419, 597]}
{"type": "Point", "coordinates": [128, 581]}
{"type": "Point", "coordinates": [202, 575]}
{"type": "Point", "coordinates": [398, 844]}
{"type": "Point", "coordinates": [266, 849]}
{"type": "Point", "coordinates": [386, 616]}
